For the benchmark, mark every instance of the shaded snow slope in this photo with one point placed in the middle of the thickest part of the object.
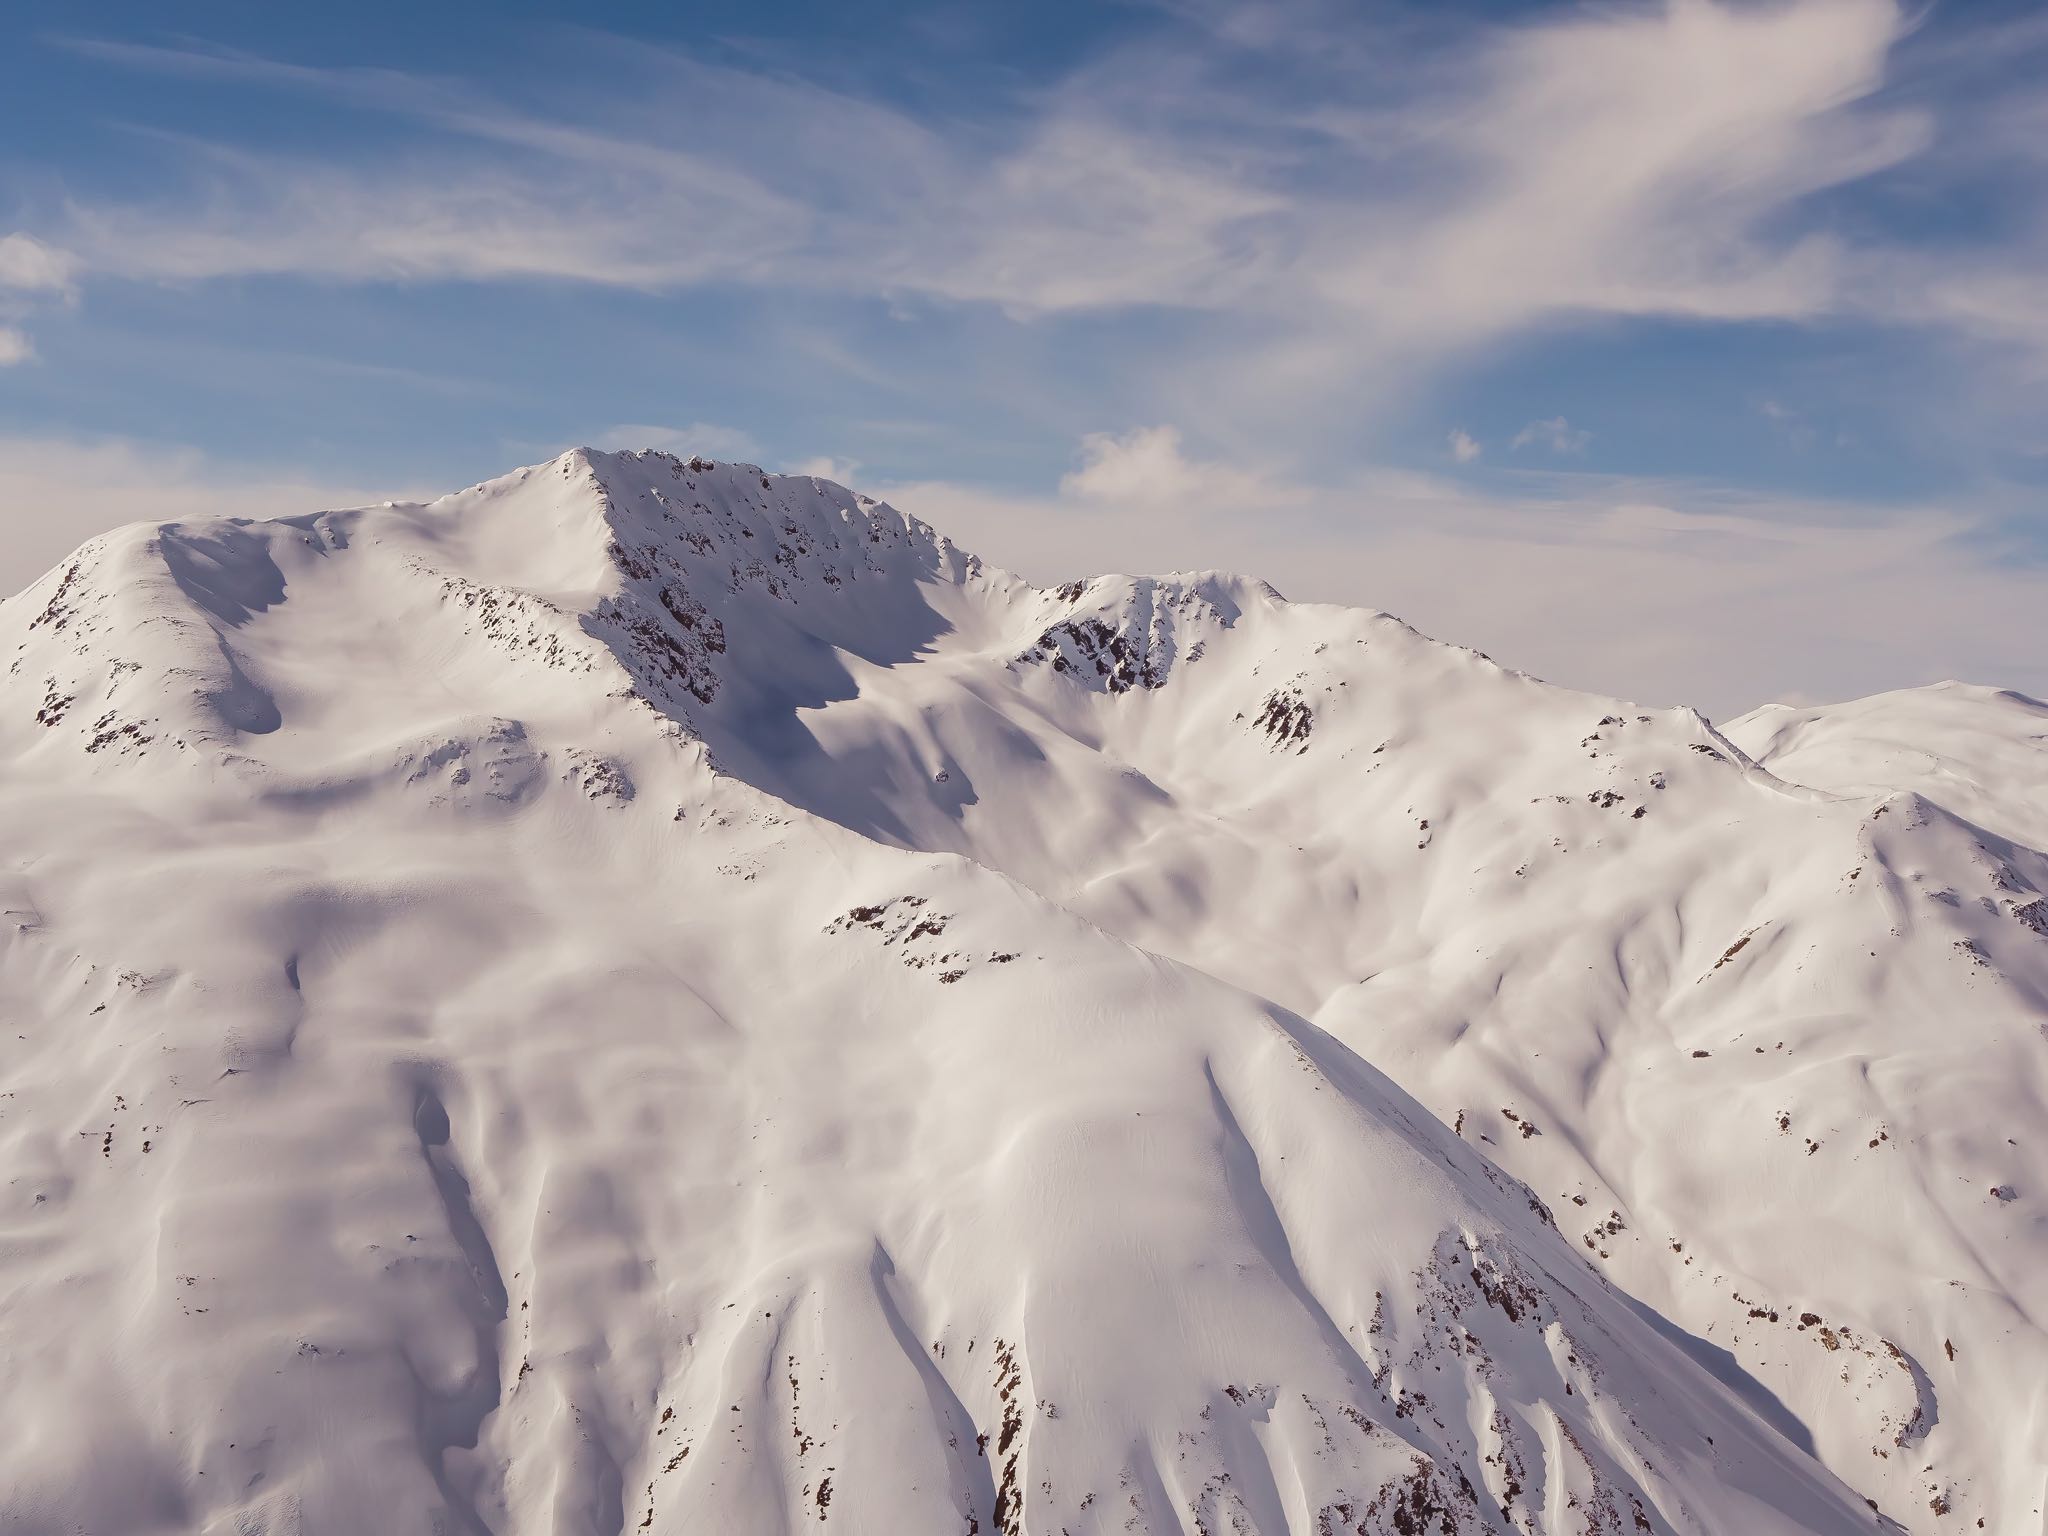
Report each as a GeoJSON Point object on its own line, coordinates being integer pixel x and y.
{"type": "Point", "coordinates": [650, 996]}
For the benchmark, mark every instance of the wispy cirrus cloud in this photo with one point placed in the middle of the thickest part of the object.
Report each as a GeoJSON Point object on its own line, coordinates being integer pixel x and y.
{"type": "Point", "coordinates": [825, 191]}
{"type": "Point", "coordinates": [1637, 162]}
{"type": "Point", "coordinates": [1383, 198]}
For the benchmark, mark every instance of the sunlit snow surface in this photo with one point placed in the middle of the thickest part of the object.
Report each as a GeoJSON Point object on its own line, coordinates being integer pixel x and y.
{"type": "Point", "coordinates": [646, 995]}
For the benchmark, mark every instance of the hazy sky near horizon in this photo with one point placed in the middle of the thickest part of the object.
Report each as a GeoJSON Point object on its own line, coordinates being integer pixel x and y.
{"type": "Point", "coordinates": [1694, 351]}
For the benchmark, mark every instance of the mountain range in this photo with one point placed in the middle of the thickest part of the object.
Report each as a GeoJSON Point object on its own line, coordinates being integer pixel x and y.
{"type": "Point", "coordinates": [648, 995]}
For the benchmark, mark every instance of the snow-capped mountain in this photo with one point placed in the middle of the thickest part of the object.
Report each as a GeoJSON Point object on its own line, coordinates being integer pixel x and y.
{"type": "Point", "coordinates": [647, 995]}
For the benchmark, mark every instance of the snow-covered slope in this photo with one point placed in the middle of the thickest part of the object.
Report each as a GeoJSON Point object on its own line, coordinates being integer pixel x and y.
{"type": "Point", "coordinates": [646, 995]}
{"type": "Point", "coordinates": [1979, 752]}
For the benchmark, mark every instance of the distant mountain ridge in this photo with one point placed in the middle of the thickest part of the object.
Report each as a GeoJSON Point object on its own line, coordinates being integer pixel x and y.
{"type": "Point", "coordinates": [651, 995]}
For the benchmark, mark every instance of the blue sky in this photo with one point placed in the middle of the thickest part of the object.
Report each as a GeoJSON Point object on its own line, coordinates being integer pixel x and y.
{"type": "Point", "coordinates": [1693, 350]}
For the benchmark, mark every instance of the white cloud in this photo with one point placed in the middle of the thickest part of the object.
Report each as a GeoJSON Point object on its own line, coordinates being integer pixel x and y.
{"type": "Point", "coordinates": [1089, 214]}
{"type": "Point", "coordinates": [1554, 433]}
{"type": "Point", "coordinates": [699, 437]}
{"type": "Point", "coordinates": [1146, 468]}
{"type": "Point", "coordinates": [29, 270]}
{"type": "Point", "coordinates": [839, 471]}
{"type": "Point", "coordinates": [55, 493]}
{"type": "Point", "coordinates": [1464, 446]}
{"type": "Point", "coordinates": [29, 266]}
{"type": "Point", "coordinates": [1628, 161]}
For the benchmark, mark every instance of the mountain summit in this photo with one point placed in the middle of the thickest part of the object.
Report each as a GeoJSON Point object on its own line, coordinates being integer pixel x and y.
{"type": "Point", "coordinates": [646, 995]}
